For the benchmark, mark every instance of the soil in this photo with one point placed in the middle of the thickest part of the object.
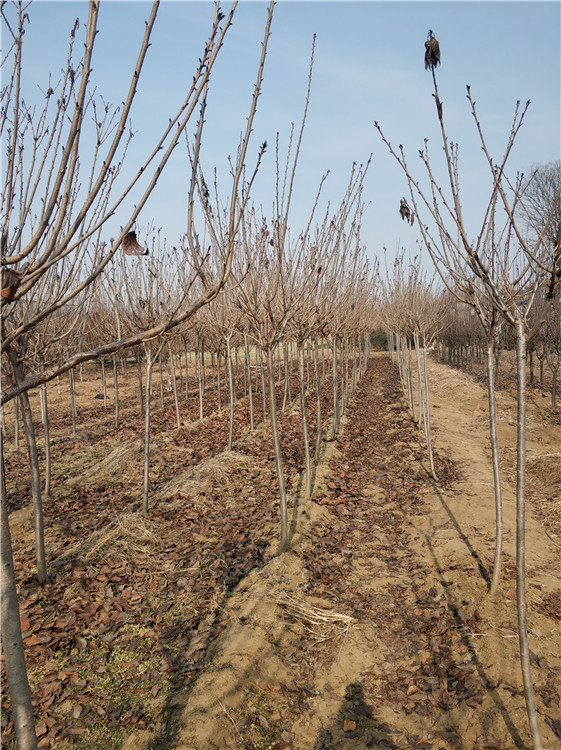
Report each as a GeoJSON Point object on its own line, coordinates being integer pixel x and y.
{"type": "Point", "coordinates": [428, 660]}
{"type": "Point", "coordinates": [375, 629]}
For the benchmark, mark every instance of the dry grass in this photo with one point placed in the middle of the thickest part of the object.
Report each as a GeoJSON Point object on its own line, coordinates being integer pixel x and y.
{"type": "Point", "coordinates": [130, 537]}
{"type": "Point", "coordinates": [321, 624]}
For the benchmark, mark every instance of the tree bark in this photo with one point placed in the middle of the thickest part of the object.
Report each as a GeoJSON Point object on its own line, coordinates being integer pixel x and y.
{"type": "Point", "coordinates": [336, 408]}
{"type": "Point", "coordinates": [497, 564]}
{"type": "Point", "coordinates": [249, 384]}
{"type": "Point", "coordinates": [45, 417]}
{"type": "Point", "coordinates": [12, 641]}
{"type": "Point", "coordinates": [200, 362]}
{"type": "Point", "coordinates": [139, 368]}
{"type": "Point", "coordinates": [427, 411]}
{"type": "Point", "coordinates": [318, 405]}
{"type": "Point", "coordinates": [521, 537]}
{"type": "Point", "coordinates": [116, 386]}
{"type": "Point", "coordinates": [33, 455]}
{"type": "Point", "coordinates": [174, 385]}
{"type": "Point", "coordinates": [284, 540]}
{"type": "Point", "coordinates": [16, 424]}
{"type": "Point", "coordinates": [308, 478]}
{"type": "Point", "coordinates": [103, 383]}
{"type": "Point", "coordinates": [72, 401]}
{"type": "Point", "coordinates": [146, 486]}
{"type": "Point", "coordinates": [232, 391]}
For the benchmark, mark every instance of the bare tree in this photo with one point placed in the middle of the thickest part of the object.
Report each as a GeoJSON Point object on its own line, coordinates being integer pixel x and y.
{"type": "Point", "coordinates": [53, 218]}
{"type": "Point", "coordinates": [507, 271]}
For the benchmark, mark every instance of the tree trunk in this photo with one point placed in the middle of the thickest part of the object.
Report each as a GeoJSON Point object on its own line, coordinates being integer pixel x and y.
{"type": "Point", "coordinates": [249, 384]}
{"type": "Point", "coordinates": [421, 396]}
{"type": "Point", "coordinates": [218, 383]}
{"type": "Point", "coordinates": [72, 401]}
{"type": "Point", "coordinates": [31, 441]}
{"type": "Point", "coordinates": [497, 564]}
{"type": "Point", "coordinates": [16, 424]}
{"type": "Point", "coordinates": [146, 487]}
{"type": "Point", "coordinates": [45, 418]}
{"type": "Point", "coordinates": [161, 369]}
{"type": "Point", "coordinates": [318, 405]}
{"type": "Point", "coordinates": [342, 400]}
{"type": "Point", "coordinates": [203, 372]}
{"type": "Point", "coordinates": [308, 478]}
{"type": "Point", "coordinates": [200, 359]}
{"type": "Point", "coordinates": [410, 381]}
{"type": "Point", "coordinates": [116, 387]}
{"type": "Point", "coordinates": [521, 537]}
{"type": "Point", "coordinates": [336, 414]}
{"type": "Point", "coordinates": [427, 411]}
{"type": "Point", "coordinates": [232, 391]}
{"type": "Point", "coordinates": [284, 540]}
{"type": "Point", "coordinates": [174, 385]}
{"type": "Point", "coordinates": [186, 371]}
{"type": "Point", "coordinates": [139, 368]}
{"type": "Point", "coordinates": [12, 641]}
{"type": "Point", "coordinates": [104, 383]}
{"type": "Point", "coordinates": [263, 386]}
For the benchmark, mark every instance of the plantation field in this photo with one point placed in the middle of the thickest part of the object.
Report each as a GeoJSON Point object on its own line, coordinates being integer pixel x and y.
{"type": "Point", "coordinates": [182, 628]}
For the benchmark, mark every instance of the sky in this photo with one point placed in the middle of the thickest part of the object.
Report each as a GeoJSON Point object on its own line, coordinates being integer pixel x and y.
{"type": "Point", "coordinates": [368, 66]}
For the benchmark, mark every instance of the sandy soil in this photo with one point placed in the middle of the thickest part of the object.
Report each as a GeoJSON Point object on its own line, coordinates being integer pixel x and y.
{"type": "Point", "coordinates": [342, 666]}
{"type": "Point", "coordinates": [376, 630]}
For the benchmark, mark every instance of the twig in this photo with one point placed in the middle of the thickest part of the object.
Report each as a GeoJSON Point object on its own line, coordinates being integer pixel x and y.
{"type": "Point", "coordinates": [227, 712]}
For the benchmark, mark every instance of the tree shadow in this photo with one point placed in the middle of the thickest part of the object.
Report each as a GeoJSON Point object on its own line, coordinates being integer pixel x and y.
{"type": "Point", "coordinates": [470, 548]}
{"type": "Point", "coordinates": [356, 725]}
{"type": "Point", "coordinates": [455, 608]}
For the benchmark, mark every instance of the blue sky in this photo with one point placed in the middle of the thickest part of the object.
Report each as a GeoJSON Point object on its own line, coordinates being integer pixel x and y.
{"type": "Point", "coordinates": [368, 66]}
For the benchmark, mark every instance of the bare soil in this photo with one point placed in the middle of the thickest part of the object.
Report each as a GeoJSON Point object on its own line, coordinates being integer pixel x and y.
{"type": "Point", "coordinates": [428, 660]}
{"type": "Point", "coordinates": [374, 630]}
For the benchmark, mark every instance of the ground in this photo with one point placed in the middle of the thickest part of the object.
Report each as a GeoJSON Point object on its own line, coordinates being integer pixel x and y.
{"type": "Point", "coordinates": [374, 630]}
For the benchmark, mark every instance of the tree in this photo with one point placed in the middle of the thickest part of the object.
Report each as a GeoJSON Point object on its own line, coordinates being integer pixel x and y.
{"type": "Point", "coordinates": [53, 219]}
{"type": "Point", "coordinates": [500, 269]}
{"type": "Point", "coordinates": [540, 207]}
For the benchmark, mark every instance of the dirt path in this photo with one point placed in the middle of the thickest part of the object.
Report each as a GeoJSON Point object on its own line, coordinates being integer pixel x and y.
{"type": "Point", "coordinates": [375, 631]}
